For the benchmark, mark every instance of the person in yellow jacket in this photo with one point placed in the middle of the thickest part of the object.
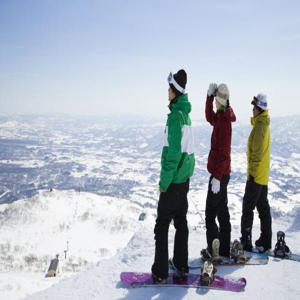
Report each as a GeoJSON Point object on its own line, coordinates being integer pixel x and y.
{"type": "Point", "coordinates": [258, 169]}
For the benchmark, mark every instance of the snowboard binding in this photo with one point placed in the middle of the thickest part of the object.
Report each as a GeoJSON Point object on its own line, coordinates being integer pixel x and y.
{"type": "Point", "coordinates": [179, 274]}
{"type": "Point", "coordinates": [205, 255]}
{"type": "Point", "coordinates": [281, 249]}
{"type": "Point", "coordinates": [158, 280]}
{"type": "Point", "coordinates": [237, 252]}
{"type": "Point", "coordinates": [207, 273]}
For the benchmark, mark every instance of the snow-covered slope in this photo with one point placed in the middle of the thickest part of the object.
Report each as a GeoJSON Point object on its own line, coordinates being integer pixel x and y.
{"type": "Point", "coordinates": [34, 230]}
{"type": "Point", "coordinates": [90, 227]}
{"type": "Point", "coordinates": [277, 280]}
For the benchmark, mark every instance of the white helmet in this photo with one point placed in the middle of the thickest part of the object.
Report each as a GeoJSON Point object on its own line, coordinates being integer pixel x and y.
{"type": "Point", "coordinates": [261, 101]}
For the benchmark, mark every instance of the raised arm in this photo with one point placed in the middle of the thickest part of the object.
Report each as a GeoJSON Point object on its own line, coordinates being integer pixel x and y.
{"type": "Point", "coordinates": [231, 114]}
{"type": "Point", "coordinates": [209, 111]}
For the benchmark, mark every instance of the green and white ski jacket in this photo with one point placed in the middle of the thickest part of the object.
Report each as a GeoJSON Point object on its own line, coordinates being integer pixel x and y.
{"type": "Point", "coordinates": [177, 159]}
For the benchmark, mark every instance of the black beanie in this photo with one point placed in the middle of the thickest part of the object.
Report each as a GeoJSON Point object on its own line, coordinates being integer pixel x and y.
{"type": "Point", "coordinates": [181, 78]}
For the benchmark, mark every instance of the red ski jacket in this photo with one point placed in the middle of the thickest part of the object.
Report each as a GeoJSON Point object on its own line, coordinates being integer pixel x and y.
{"type": "Point", "coordinates": [219, 156]}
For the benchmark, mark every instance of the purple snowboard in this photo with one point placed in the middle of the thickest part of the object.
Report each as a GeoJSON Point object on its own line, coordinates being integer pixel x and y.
{"type": "Point", "coordinates": [135, 279]}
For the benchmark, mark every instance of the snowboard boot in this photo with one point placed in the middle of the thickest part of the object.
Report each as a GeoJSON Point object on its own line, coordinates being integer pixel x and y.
{"type": "Point", "coordinates": [215, 251]}
{"type": "Point", "coordinates": [159, 280]}
{"type": "Point", "coordinates": [263, 244]}
{"type": "Point", "coordinates": [225, 252]}
{"type": "Point", "coordinates": [246, 240]}
{"type": "Point", "coordinates": [205, 255]}
{"type": "Point", "coordinates": [207, 273]}
{"type": "Point", "coordinates": [179, 273]}
{"type": "Point", "coordinates": [237, 252]}
{"type": "Point", "coordinates": [281, 249]}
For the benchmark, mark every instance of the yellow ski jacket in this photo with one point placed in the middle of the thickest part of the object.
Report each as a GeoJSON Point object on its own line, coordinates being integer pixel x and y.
{"type": "Point", "coordinates": [258, 149]}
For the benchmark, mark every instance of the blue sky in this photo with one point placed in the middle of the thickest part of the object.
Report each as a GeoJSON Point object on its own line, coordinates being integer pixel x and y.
{"type": "Point", "coordinates": [113, 57]}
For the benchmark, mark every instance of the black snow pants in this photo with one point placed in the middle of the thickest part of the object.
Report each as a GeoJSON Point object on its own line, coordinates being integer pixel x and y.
{"type": "Point", "coordinates": [256, 196]}
{"type": "Point", "coordinates": [217, 207]}
{"type": "Point", "coordinates": [172, 205]}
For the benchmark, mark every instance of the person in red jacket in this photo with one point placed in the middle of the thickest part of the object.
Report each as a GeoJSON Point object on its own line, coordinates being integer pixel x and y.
{"type": "Point", "coordinates": [219, 167]}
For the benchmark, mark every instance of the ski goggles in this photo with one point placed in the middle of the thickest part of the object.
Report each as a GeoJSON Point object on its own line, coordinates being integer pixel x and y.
{"type": "Point", "coordinates": [171, 80]}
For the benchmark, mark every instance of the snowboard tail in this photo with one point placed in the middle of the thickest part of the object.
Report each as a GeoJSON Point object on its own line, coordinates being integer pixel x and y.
{"type": "Point", "coordinates": [136, 279]}
{"type": "Point", "coordinates": [289, 256]}
{"type": "Point", "coordinates": [270, 253]}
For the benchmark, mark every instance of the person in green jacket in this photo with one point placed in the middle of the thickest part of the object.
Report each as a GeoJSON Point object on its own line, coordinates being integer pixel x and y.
{"type": "Point", "coordinates": [177, 166]}
{"type": "Point", "coordinates": [258, 169]}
